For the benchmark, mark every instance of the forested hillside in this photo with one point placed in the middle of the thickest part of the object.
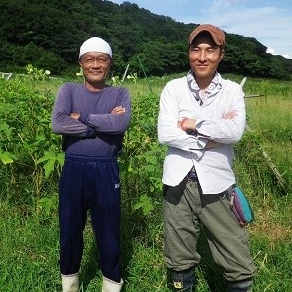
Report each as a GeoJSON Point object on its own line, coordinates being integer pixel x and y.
{"type": "Point", "coordinates": [48, 35]}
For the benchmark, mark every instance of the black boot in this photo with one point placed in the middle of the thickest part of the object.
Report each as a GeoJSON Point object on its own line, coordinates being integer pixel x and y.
{"type": "Point", "coordinates": [239, 286]}
{"type": "Point", "coordinates": [182, 281]}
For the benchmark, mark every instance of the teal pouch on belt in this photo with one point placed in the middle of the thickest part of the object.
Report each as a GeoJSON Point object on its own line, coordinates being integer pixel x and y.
{"type": "Point", "coordinates": [240, 206]}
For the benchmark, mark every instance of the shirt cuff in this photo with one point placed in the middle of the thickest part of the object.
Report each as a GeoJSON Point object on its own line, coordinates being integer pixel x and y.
{"type": "Point", "coordinates": [83, 118]}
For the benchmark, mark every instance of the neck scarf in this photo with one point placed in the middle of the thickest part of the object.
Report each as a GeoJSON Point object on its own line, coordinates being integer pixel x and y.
{"type": "Point", "coordinates": [196, 91]}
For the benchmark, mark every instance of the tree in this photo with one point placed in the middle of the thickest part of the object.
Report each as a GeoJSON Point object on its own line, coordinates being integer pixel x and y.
{"type": "Point", "coordinates": [50, 33]}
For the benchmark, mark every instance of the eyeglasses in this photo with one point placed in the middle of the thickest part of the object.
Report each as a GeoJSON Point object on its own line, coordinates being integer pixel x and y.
{"type": "Point", "coordinates": [89, 61]}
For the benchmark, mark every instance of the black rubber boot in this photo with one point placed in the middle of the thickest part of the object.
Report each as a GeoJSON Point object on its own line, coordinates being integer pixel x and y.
{"type": "Point", "coordinates": [240, 286]}
{"type": "Point", "coordinates": [182, 281]}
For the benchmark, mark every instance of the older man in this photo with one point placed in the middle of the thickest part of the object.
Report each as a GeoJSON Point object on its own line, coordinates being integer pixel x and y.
{"type": "Point", "coordinates": [92, 117]}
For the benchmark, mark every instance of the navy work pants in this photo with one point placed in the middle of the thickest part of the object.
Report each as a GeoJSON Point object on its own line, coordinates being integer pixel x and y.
{"type": "Point", "coordinates": [90, 183]}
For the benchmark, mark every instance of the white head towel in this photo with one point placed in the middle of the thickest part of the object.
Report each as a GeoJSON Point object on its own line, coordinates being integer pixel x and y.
{"type": "Point", "coordinates": [95, 44]}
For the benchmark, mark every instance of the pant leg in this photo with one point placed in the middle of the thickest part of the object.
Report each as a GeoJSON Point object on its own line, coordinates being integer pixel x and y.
{"type": "Point", "coordinates": [72, 216]}
{"type": "Point", "coordinates": [229, 242]}
{"type": "Point", "coordinates": [105, 213]}
{"type": "Point", "coordinates": [181, 227]}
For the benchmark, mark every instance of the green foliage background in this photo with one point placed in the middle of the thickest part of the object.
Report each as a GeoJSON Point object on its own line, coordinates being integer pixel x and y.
{"type": "Point", "coordinates": [48, 35]}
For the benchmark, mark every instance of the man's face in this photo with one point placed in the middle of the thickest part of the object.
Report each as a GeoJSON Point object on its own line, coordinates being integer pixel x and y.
{"type": "Point", "coordinates": [204, 57]}
{"type": "Point", "coordinates": [95, 67]}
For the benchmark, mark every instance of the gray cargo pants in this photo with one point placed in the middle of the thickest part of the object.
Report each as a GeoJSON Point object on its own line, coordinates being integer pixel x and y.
{"type": "Point", "coordinates": [184, 209]}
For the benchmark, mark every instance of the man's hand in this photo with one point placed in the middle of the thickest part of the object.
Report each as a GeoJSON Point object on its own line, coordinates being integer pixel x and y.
{"type": "Point", "coordinates": [187, 124]}
{"type": "Point", "coordinates": [119, 110]}
{"type": "Point", "coordinates": [75, 116]}
{"type": "Point", "coordinates": [230, 115]}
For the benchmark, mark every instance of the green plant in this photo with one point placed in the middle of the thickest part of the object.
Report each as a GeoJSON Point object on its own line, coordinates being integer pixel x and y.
{"type": "Point", "coordinates": [30, 166]}
{"type": "Point", "coordinates": [37, 74]}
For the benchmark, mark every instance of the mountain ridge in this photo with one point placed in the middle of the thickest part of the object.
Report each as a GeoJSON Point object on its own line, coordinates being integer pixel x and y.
{"type": "Point", "coordinates": [48, 35]}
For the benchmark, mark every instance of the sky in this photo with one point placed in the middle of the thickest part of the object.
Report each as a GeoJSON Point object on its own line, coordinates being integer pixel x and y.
{"type": "Point", "coordinates": [270, 22]}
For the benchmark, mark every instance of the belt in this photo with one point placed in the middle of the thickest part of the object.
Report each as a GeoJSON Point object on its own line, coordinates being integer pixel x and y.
{"type": "Point", "coordinates": [192, 175]}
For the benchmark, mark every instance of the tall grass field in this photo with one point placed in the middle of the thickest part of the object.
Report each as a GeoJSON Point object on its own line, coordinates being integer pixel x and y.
{"type": "Point", "coordinates": [31, 160]}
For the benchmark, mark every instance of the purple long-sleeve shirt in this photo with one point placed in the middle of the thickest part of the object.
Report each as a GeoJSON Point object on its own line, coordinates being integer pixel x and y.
{"type": "Point", "coordinates": [97, 132]}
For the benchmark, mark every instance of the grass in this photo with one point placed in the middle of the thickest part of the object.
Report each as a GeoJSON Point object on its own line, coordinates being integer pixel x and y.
{"type": "Point", "coordinates": [29, 258]}
{"type": "Point", "coordinates": [28, 251]}
{"type": "Point", "coordinates": [29, 236]}
{"type": "Point", "coordinates": [269, 118]}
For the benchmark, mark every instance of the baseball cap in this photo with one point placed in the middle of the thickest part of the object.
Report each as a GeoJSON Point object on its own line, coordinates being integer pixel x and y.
{"type": "Point", "coordinates": [217, 34]}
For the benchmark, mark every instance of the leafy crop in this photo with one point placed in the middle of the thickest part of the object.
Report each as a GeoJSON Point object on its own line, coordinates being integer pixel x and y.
{"type": "Point", "coordinates": [30, 163]}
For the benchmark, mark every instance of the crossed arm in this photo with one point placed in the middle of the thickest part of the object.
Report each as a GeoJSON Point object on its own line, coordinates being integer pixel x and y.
{"type": "Point", "coordinates": [70, 124]}
{"type": "Point", "coordinates": [187, 124]}
{"type": "Point", "coordinates": [119, 110]}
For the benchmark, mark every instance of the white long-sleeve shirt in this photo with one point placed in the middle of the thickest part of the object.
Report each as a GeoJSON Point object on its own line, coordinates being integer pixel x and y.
{"type": "Point", "coordinates": [213, 166]}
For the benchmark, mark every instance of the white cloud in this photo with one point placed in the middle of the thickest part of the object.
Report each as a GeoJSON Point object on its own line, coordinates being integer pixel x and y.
{"type": "Point", "coordinates": [271, 26]}
{"type": "Point", "coordinates": [271, 51]}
